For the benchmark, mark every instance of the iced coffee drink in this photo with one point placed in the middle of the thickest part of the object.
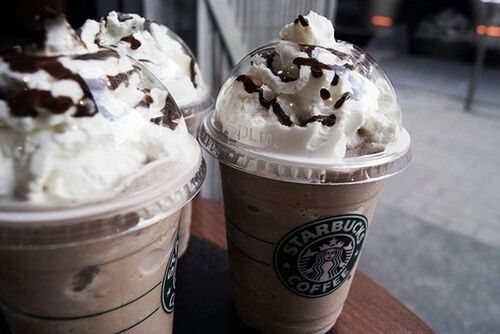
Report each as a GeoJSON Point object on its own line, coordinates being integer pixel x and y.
{"type": "Point", "coordinates": [96, 163]}
{"type": "Point", "coordinates": [169, 58]}
{"type": "Point", "coordinates": [306, 129]}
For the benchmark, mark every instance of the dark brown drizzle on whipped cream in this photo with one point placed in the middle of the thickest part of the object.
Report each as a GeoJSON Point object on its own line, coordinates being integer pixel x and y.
{"type": "Point", "coordinates": [253, 85]}
{"type": "Point", "coordinates": [116, 80]}
{"type": "Point", "coordinates": [285, 74]}
{"type": "Point", "coordinates": [99, 55]}
{"type": "Point", "coordinates": [302, 20]}
{"type": "Point", "coordinates": [170, 113]}
{"type": "Point", "coordinates": [24, 102]}
{"type": "Point", "coordinates": [134, 42]}
{"type": "Point", "coordinates": [317, 67]}
{"type": "Point", "coordinates": [335, 80]}
{"type": "Point", "coordinates": [340, 102]}
{"type": "Point", "coordinates": [327, 120]}
{"type": "Point", "coordinates": [192, 72]}
{"type": "Point", "coordinates": [310, 48]}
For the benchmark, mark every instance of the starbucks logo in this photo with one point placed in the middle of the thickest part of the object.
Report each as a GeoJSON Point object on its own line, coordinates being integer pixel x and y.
{"type": "Point", "coordinates": [168, 287]}
{"type": "Point", "coordinates": [314, 259]}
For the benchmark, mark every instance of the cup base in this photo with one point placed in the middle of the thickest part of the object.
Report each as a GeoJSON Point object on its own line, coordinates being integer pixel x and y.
{"type": "Point", "coordinates": [266, 325]}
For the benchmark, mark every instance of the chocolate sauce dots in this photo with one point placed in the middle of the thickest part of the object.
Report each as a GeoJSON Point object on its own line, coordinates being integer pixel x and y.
{"type": "Point", "coordinates": [291, 72]}
{"type": "Point", "coordinates": [324, 93]}
{"type": "Point", "coordinates": [335, 80]}
{"type": "Point", "coordinates": [302, 20]}
{"type": "Point", "coordinates": [253, 85]}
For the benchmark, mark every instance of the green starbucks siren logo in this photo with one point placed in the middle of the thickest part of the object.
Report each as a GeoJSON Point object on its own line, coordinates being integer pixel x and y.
{"type": "Point", "coordinates": [168, 287]}
{"type": "Point", "coordinates": [314, 259]}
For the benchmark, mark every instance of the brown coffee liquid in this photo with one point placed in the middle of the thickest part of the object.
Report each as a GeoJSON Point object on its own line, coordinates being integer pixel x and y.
{"type": "Point", "coordinates": [259, 213]}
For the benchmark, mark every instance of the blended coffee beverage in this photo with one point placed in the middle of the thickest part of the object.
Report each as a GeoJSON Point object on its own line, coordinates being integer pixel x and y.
{"type": "Point", "coordinates": [96, 163]}
{"type": "Point", "coordinates": [172, 62]}
{"type": "Point", "coordinates": [305, 129]}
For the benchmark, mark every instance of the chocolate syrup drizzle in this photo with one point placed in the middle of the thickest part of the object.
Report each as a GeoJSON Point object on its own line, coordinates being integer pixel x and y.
{"type": "Point", "coordinates": [192, 72]}
{"type": "Point", "coordinates": [317, 67]}
{"type": "Point", "coordinates": [340, 102]}
{"type": "Point", "coordinates": [335, 80]}
{"type": "Point", "coordinates": [146, 101]}
{"type": "Point", "coordinates": [253, 85]}
{"type": "Point", "coordinates": [116, 80]}
{"type": "Point", "coordinates": [302, 20]}
{"type": "Point", "coordinates": [310, 48]}
{"type": "Point", "coordinates": [99, 55]}
{"type": "Point", "coordinates": [170, 113]}
{"type": "Point", "coordinates": [284, 75]}
{"type": "Point", "coordinates": [134, 42]}
{"type": "Point", "coordinates": [24, 102]}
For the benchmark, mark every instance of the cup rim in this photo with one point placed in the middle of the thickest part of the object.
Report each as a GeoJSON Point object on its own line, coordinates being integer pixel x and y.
{"type": "Point", "coordinates": [197, 108]}
{"type": "Point", "coordinates": [173, 195]}
{"type": "Point", "coordinates": [362, 169]}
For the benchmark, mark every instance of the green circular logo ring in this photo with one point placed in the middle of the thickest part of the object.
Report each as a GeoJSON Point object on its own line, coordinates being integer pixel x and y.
{"type": "Point", "coordinates": [314, 259]}
{"type": "Point", "coordinates": [168, 285]}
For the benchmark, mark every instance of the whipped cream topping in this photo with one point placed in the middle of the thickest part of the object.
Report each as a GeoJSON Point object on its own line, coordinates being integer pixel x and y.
{"type": "Point", "coordinates": [312, 29]}
{"type": "Point", "coordinates": [310, 96]}
{"type": "Point", "coordinates": [156, 47]}
{"type": "Point", "coordinates": [56, 37]}
{"type": "Point", "coordinates": [78, 123]}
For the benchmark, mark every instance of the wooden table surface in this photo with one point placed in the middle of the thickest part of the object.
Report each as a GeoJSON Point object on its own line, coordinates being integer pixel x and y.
{"type": "Point", "coordinates": [369, 307]}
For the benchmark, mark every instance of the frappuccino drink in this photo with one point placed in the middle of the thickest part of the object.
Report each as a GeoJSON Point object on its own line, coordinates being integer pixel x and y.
{"type": "Point", "coordinates": [306, 129]}
{"type": "Point", "coordinates": [96, 163]}
{"type": "Point", "coordinates": [168, 57]}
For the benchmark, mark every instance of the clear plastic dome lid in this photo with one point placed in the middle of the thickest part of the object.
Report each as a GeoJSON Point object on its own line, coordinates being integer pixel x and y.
{"type": "Point", "coordinates": [311, 114]}
{"type": "Point", "coordinates": [161, 50]}
{"type": "Point", "coordinates": [87, 131]}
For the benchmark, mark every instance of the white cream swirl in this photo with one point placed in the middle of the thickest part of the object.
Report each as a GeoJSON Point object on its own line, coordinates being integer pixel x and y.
{"type": "Point", "coordinates": [310, 96]}
{"type": "Point", "coordinates": [77, 125]}
{"type": "Point", "coordinates": [156, 47]}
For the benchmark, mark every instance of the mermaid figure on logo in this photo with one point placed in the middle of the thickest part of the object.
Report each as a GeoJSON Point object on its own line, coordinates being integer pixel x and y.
{"type": "Point", "coordinates": [325, 263]}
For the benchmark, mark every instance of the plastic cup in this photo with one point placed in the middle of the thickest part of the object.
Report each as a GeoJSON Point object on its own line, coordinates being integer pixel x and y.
{"type": "Point", "coordinates": [296, 224]}
{"type": "Point", "coordinates": [104, 263]}
{"type": "Point", "coordinates": [276, 286]}
{"type": "Point", "coordinates": [193, 112]}
{"type": "Point", "coordinates": [102, 267]}
{"type": "Point", "coordinates": [193, 115]}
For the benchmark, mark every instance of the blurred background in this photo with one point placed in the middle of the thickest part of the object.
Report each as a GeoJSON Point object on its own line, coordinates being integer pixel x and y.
{"type": "Point", "coordinates": [435, 241]}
